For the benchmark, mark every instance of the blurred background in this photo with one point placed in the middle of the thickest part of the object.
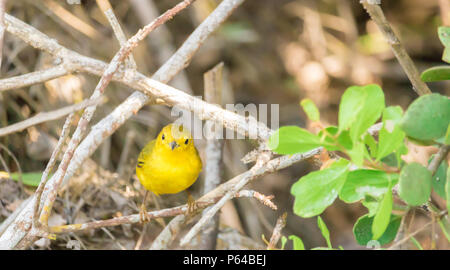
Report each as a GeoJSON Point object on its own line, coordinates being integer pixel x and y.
{"type": "Point", "coordinates": [274, 52]}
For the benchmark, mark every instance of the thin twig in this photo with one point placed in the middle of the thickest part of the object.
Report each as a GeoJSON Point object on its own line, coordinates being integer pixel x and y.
{"type": "Point", "coordinates": [261, 164]}
{"type": "Point", "coordinates": [440, 215]}
{"type": "Point", "coordinates": [51, 163]}
{"type": "Point", "coordinates": [377, 15]}
{"type": "Point", "coordinates": [266, 200]}
{"type": "Point", "coordinates": [161, 40]}
{"type": "Point", "coordinates": [19, 168]}
{"type": "Point", "coordinates": [35, 77]}
{"type": "Point", "coordinates": [276, 235]}
{"type": "Point", "coordinates": [48, 116]}
{"type": "Point", "coordinates": [70, 19]}
{"type": "Point", "coordinates": [438, 158]}
{"type": "Point", "coordinates": [129, 139]}
{"type": "Point", "coordinates": [213, 153]}
{"type": "Point", "coordinates": [168, 234]}
{"type": "Point", "coordinates": [203, 202]}
{"type": "Point", "coordinates": [106, 8]}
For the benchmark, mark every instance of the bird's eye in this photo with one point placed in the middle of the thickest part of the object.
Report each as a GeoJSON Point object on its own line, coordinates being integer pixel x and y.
{"type": "Point", "coordinates": [186, 141]}
{"type": "Point", "coordinates": [163, 137]}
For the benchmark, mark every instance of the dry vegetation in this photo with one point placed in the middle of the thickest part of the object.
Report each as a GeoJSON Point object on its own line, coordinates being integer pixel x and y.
{"type": "Point", "coordinates": [274, 52]}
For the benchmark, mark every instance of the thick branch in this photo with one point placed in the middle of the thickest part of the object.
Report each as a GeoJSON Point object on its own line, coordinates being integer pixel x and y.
{"type": "Point", "coordinates": [132, 219]}
{"type": "Point", "coordinates": [377, 15]}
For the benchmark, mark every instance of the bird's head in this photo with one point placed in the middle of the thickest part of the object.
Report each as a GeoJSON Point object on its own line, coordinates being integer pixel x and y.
{"type": "Point", "coordinates": [175, 138]}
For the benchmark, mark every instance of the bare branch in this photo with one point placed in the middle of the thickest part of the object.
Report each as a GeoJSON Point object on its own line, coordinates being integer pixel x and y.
{"type": "Point", "coordinates": [48, 116]}
{"type": "Point", "coordinates": [377, 15]}
{"type": "Point", "coordinates": [106, 8]}
{"type": "Point", "coordinates": [276, 235]}
{"type": "Point", "coordinates": [33, 77]}
{"type": "Point", "coordinates": [266, 200]}
{"type": "Point", "coordinates": [160, 40]}
{"type": "Point", "coordinates": [51, 163]}
{"type": "Point", "coordinates": [213, 153]}
{"type": "Point", "coordinates": [438, 158]}
{"type": "Point", "coordinates": [132, 219]}
{"type": "Point", "coordinates": [250, 175]}
{"type": "Point", "coordinates": [440, 215]}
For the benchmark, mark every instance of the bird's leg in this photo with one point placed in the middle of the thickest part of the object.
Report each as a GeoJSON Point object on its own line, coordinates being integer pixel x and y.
{"type": "Point", "coordinates": [143, 215]}
{"type": "Point", "coordinates": [192, 204]}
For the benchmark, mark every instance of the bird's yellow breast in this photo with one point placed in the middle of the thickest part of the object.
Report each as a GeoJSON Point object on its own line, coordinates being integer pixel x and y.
{"type": "Point", "coordinates": [163, 170]}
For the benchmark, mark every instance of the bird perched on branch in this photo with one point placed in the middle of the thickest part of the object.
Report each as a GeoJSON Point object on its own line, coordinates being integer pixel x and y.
{"type": "Point", "coordinates": [168, 164]}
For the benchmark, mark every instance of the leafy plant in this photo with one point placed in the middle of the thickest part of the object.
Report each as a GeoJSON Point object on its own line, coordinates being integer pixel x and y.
{"type": "Point", "coordinates": [367, 170]}
{"type": "Point", "coordinates": [440, 73]}
{"type": "Point", "coordinates": [30, 179]}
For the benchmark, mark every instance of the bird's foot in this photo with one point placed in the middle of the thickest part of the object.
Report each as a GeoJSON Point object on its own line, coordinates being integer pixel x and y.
{"type": "Point", "coordinates": [192, 205]}
{"type": "Point", "coordinates": [143, 215]}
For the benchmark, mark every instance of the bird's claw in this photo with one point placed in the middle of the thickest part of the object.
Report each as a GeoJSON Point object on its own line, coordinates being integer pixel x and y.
{"type": "Point", "coordinates": [192, 205]}
{"type": "Point", "coordinates": [143, 215]}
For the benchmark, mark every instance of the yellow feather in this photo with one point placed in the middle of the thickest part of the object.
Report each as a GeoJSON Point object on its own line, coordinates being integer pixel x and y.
{"type": "Point", "coordinates": [170, 163]}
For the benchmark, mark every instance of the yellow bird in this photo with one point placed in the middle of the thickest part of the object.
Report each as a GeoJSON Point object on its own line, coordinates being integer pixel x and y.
{"type": "Point", "coordinates": [168, 164]}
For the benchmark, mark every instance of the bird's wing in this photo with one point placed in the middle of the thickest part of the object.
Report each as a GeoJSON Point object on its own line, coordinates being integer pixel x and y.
{"type": "Point", "coordinates": [145, 153]}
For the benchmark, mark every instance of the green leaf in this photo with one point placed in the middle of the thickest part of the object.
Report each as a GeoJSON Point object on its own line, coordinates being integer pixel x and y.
{"type": "Point", "coordinates": [345, 140]}
{"type": "Point", "coordinates": [414, 184]}
{"type": "Point", "coordinates": [298, 243]}
{"type": "Point", "coordinates": [447, 189]}
{"type": "Point", "coordinates": [439, 178]}
{"type": "Point", "coordinates": [439, 73]}
{"type": "Point", "coordinates": [427, 118]}
{"type": "Point", "coordinates": [371, 204]}
{"type": "Point", "coordinates": [329, 141]}
{"type": "Point", "coordinates": [283, 242]}
{"type": "Point", "coordinates": [362, 230]}
{"type": "Point", "coordinates": [391, 160]}
{"type": "Point", "coordinates": [323, 228]}
{"type": "Point", "coordinates": [352, 103]}
{"type": "Point", "coordinates": [444, 35]}
{"type": "Point", "coordinates": [447, 136]}
{"type": "Point", "coordinates": [416, 243]}
{"type": "Point", "coordinates": [390, 136]}
{"type": "Point", "coordinates": [373, 147]}
{"type": "Point", "coordinates": [363, 182]}
{"type": "Point", "coordinates": [357, 153]}
{"type": "Point", "coordinates": [446, 55]}
{"type": "Point", "coordinates": [317, 190]}
{"type": "Point", "coordinates": [360, 107]}
{"type": "Point", "coordinates": [445, 227]}
{"type": "Point", "coordinates": [310, 109]}
{"type": "Point", "coordinates": [292, 139]}
{"type": "Point", "coordinates": [326, 137]}
{"type": "Point", "coordinates": [30, 179]}
{"type": "Point", "coordinates": [402, 150]}
{"type": "Point", "coordinates": [322, 248]}
{"type": "Point", "coordinates": [382, 217]}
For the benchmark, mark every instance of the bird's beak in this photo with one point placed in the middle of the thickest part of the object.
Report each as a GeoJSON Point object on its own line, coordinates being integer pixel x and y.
{"type": "Point", "coordinates": [173, 145]}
